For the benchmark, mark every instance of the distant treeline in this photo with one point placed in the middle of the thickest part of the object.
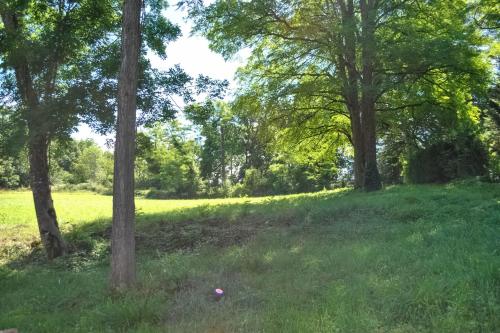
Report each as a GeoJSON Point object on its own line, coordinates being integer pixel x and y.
{"type": "Point", "coordinates": [335, 93]}
{"type": "Point", "coordinates": [225, 154]}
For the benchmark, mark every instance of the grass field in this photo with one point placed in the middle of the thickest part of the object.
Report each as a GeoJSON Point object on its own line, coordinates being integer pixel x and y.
{"type": "Point", "coordinates": [405, 259]}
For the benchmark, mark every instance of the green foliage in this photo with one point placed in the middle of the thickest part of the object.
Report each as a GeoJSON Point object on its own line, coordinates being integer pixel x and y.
{"type": "Point", "coordinates": [80, 162]}
{"type": "Point", "coordinates": [160, 194]}
{"type": "Point", "coordinates": [168, 162]}
{"type": "Point", "coordinates": [441, 162]}
{"type": "Point", "coordinates": [68, 53]}
{"type": "Point", "coordinates": [223, 144]}
{"type": "Point", "coordinates": [391, 160]}
{"type": "Point", "coordinates": [490, 128]}
{"type": "Point", "coordinates": [93, 165]}
{"type": "Point", "coordinates": [157, 31]}
{"type": "Point", "coordinates": [253, 183]}
{"type": "Point", "coordinates": [14, 171]}
{"type": "Point", "coordinates": [55, 40]}
{"type": "Point", "coordinates": [242, 153]}
{"type": "Point", "coordinates": [171, 164]}
{"type": "Point", "coordinates": [406, 259]}
{"type": "Point", "coordinates": [288, 128]}
{"type": "Point", "coordinates": [8, 176]}
{"type": "Point", "coordinates": [285, 177]}
{"type": "Point", "coordinates": [430, 65]}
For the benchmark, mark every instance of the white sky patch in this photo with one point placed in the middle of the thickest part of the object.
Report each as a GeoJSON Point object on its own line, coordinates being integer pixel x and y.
{"type": "Point", "coordinates": [85, 132]}
{"type": "Point", "coordinates": [193, 54]}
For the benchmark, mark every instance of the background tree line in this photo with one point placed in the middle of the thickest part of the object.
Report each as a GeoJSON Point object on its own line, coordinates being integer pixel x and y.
{"type": "Point", "coordinates": [428, 89]}
{"type": "Point", "coordinates": [173, 162]}
{"type": "Point", "coordinates": [234, 149]}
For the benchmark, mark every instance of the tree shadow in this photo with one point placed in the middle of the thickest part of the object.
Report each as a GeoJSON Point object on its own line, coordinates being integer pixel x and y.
{"type": "Point", "coordinates": [184, 229]}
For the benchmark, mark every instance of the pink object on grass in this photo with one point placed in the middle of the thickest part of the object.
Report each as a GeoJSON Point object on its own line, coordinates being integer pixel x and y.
{"type": "Point", "coordinates": [218, 293]}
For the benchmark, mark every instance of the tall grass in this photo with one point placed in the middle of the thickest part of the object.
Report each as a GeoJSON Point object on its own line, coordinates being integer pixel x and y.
{"type": "Point", "coordinates": [406, 259]}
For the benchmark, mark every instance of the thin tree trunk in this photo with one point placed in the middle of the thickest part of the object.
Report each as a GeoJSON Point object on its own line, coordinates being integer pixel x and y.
{"type": "Point", "coordinates": [38, 148]}
{"type": "Point", "coordinates": [123, 272]}
{"type": "Point", "coordinates": [223, 154]}
{"type": "Point", "coordinates": [371, 180]}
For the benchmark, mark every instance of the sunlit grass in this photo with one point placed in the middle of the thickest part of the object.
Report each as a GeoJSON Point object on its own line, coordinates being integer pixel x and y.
{"type": "Point", "coordinates": [16, 207]}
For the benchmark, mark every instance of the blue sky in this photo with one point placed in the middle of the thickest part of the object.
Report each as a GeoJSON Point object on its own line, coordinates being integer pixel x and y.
{"type": "Point", "coordinates": [194, 56]}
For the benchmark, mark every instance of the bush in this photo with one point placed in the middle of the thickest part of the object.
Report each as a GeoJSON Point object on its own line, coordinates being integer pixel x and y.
{"type": "Point", "coordinates": [255, 183]}
{"type": "Point", "coordinates": [92, 187]}
{"type": "Point", "coordinates": [239, 190]}
{"type": "Point", "coordinates": [390, 162]}
{"type": "Point", "coordinates": [160, 194]}
{"type": "Point", "coordinates": [494, 168]}
{"type": "Point", "coordinates": [447, 160]}
{"type": "Point", "coordinates": [8, 175]}
{"type": "Point", "coordinates": [280, 179]}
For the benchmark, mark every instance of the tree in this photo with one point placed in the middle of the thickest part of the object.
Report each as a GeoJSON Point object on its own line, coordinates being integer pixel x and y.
{"type": "Point", "coordinates": [14, 168]}
{"type": "Point", "coordinates": [65, 31]}
{"type": "Point", "coordinates": [123, 238]}
{"type": "Point", "coordinates": [321, 62]}
{"type": "Point", "coordinates": [91, 165]}
{"type": "Point", "coordinates": [222, 140]}
{"type": "Point", "coordinates": [169, 162]}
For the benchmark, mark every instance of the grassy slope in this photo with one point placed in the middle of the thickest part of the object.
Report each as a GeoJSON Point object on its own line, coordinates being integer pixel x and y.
{"type": "Point", "coordinates": [406, 259]}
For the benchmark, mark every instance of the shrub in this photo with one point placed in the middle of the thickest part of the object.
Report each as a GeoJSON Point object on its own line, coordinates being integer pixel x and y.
{"type": "Point", "coordinates": [255, 182]}
{"type": "Point", "coordinates": [8, 175]}
{"type": "Point", "coordinates": [239, 190]}
{"type": "Point", "coordinates": [443, 161]}
{"type": "Point", "coordinates": [92, 187]}
{"type": "Point", "coordinates": [494, 168]}
{"type": "Point", "coordinates": [160, 194]}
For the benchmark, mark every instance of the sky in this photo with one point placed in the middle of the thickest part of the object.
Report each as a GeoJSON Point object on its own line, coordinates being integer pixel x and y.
{"type": "Point", "coordinates": [194, 56]}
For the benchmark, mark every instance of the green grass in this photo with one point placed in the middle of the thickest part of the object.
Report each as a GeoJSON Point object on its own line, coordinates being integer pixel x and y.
{"type": "Point", "coordinates": [405, 259]}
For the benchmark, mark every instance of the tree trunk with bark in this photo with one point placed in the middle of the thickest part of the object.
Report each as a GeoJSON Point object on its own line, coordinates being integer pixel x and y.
{"type": "Point", "coordinates": [223, 153]}
{"type": "Point", "coordinates": [123, 271]}
{"type": "Point", "coordinates": [371, 180]}
{"type": "Point", "coordinates": [350, 77]}
{"type": "Point", "coordinates": [44, 205]}
{"type": "Point", "coordinates": [359, 88]}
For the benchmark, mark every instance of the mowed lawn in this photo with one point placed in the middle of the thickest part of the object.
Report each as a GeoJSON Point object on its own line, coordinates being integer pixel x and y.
{"type": "Point", "coordinates": [17, 208]}
{"type": "Point", "coordinates": [405, 259]}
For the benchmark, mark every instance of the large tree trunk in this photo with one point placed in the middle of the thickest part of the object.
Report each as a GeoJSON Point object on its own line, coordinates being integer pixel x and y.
{"type": "Point", "coordinates": [359, 156]}
{"type": "Point", "coordinates": [371, 181]}
{"type": "Point", "coordinates": [38, 147]}
{"type": "Point", "coordinates": [123, 272]}
{"type": "Point", "coordinates": [350, 77]}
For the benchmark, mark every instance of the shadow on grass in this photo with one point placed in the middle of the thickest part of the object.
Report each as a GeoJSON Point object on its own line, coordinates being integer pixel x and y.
{"type": "Point", "coordinates": [228, 224]}
{"type": "Point", "coordinates": [186, 229]}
